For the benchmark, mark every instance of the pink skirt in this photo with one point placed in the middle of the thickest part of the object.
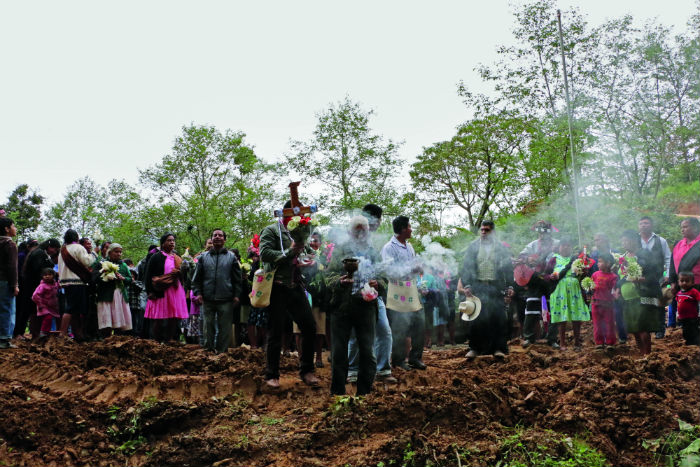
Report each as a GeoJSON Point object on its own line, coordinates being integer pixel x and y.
{"type": "Point", "coordinates": [115, 314]}
{"type": "Point", "coordinates": [171, 305]}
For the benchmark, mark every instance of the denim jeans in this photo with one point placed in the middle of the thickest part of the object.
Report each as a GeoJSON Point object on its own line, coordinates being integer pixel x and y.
{"type": "Point", "coordinates": [7, 310]}
{"type": "Point", "coordinates": [218, 319]}
{"type": "Point", "coordinates": [382, 345]}
{"type": "Point", "coordinates": [361, 317]}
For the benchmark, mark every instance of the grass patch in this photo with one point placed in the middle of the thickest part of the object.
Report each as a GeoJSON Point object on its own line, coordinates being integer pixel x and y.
{"type": "Point", "coordinates": [680, 448]}
{"type": "Point", "coordinates": [527, 448]}
{"type": "Point", "coordinates": [127, 425]}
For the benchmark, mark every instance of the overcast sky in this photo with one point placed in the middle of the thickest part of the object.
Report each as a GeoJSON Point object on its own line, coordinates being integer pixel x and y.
{"type": "Point", "coordinates": [102, 88]}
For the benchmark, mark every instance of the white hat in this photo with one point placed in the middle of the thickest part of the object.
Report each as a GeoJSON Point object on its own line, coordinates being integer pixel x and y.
{"type": "Point", "coordinates": [470, 308]}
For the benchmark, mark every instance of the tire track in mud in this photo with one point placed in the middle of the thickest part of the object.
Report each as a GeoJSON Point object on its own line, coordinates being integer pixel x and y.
{"type": "Point", "coordinates": [44, 380]}
{"type": "Point", "coordinates": [45, 376]}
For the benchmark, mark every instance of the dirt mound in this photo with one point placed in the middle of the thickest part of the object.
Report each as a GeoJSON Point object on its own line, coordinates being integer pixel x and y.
{"type": "Point", "coordinates": [126, 401]}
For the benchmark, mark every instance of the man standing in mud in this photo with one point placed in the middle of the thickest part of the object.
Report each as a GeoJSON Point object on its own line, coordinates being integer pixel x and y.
{"type": "Point", "coordinates": [487, 272]}
{"type": "Point", "coordinates": [279, 253]}
{"type": "Point", "coordinates": [216, 285]}
{"type": "Point", "coordinates": [658, 246]}
{"type": "Point", "coordinates": [535, 255]}
{"type": "Point", "coordinates": [382, 334]}
{"type": "Point", "coordinates": [406, 316]}
{"type": "Point", "coordinates": [354, 306]}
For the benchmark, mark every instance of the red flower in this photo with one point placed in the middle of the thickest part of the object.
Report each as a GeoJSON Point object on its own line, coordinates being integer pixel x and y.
{"type": "Point", "coordinates": [587, 260]}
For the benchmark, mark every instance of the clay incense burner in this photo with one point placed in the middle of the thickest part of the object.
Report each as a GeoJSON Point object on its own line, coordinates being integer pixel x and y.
{"type": "Point", "coordinates": [350, 265]}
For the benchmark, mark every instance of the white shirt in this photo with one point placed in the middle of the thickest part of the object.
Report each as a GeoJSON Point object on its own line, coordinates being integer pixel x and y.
{"type": "Point", "coordinates": [399, 259]}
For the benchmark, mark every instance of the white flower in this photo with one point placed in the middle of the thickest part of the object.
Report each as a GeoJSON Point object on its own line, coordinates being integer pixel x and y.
{"type": "Point", "coordinates": [587, 284]}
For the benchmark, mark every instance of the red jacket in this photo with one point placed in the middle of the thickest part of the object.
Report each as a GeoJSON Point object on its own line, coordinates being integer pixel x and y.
{"type": "Point", "coordinates": [688, 304]}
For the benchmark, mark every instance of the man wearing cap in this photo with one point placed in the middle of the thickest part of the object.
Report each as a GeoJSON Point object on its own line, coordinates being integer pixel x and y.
{"type": "Point", "coordinates": [536, 253]}
{"type": "Point", "coordinates": [487, 272]}
{"type": "Point", "coordinates": [535, 256]}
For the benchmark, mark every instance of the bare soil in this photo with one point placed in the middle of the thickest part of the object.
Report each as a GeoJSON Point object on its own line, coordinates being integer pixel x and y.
{"type": "Point", "coordinates": [127, 401]}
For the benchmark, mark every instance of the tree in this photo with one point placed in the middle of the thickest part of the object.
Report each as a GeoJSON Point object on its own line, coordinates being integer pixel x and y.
{"type": "Point", "coordinates": [24, 207]}
{"type": "Point", "coordinates": [480, 170]}
{"type": "Point", "coordinates": [646, 105]}
{"type": "Point", "coordinates": [210, 180]}
{"type": "Point", "coordinates": [530, 74]}
{"type": "Point", "coordinates": [353, 165]}
{"type": "Point", "coordinates": [79, 210]}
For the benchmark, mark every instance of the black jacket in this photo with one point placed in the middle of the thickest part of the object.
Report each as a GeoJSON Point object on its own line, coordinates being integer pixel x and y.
{"type": "Point", "coordinates": [217, 276]}
{"type": "Point", "coordinates": [503, 267]}
{"type": "Point", "coordinates": [155, 267]}
{"type": "Point", "coordinates": [33, 265]}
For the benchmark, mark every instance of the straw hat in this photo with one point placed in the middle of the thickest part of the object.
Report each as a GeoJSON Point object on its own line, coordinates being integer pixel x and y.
{"type": "Point", "coordinates": [470, 308]}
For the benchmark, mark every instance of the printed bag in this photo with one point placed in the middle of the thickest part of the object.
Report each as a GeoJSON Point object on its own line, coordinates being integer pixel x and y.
{"type": "Point", "coordinates": [403, 296]}
{"type": "Point", "coordinates": [262, 288]}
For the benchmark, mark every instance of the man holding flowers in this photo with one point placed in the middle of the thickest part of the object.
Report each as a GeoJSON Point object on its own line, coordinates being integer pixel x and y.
{"type": "Point", "coordinates": [281, 244]}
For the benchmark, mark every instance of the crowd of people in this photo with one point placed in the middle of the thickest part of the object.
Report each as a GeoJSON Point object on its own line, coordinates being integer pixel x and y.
{"type": "Point", "coordinates": [371, 301]}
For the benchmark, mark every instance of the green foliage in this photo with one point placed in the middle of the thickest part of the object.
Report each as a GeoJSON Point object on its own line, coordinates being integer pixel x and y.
{"type": "Point", "coordinates": [480, 169]}
{"type": "Point", "coordinates": [352, 165]}
{"type": "Point", "coordinates": [680, 448]}
{"type": "Point", "coordinates": [529, 449]}
{"type": "Point", "coordinates": [270, 421]}
{"type": "Point", "coordinates": [211, 179]}
{"type": "Point", "coordinates": [635, 92]}
{"type": "Point", "coordinates": [23, 206]}
{"type": "Point", "coordinates": [343, 404]}
{"type": "Point", "coordinates": [115, 213]}
{"type": "Point", "coordinates": [408, 456]}
{"type": "Point", "coordinates": [127, 426]}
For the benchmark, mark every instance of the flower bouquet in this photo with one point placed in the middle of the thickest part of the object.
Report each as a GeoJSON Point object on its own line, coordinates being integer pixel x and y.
{"type": "Point", "coordinates": [300, 227]}
{"type": "Point", "coordinates": [582, 264]}
{"type": "Point", "coordinates": [630, 268]}
{"type": "Point", "coordinates": [109, 271]}
{"type": "Point", "coordinates": [587, 284]}
{"type": "Point", "coordinates": [368, 293]}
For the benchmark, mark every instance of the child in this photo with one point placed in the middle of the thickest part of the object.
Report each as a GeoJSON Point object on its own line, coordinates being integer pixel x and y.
{"type": "Point", "coordinates": [46, 298]}
{"type": "Point", "coordinates": [602, 305]}
{"type": "Point", "coordinates": [688, 299]}
{"type": "Point", "coordinates": [566, 301]}
{"type": "Point", "coordinates": [535, 288]}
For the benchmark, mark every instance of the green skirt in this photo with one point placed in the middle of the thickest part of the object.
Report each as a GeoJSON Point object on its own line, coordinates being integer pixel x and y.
{"type": "Point", "coordinates": [641, 318]}
{"type": "Point", "coordinates": [566, 302]}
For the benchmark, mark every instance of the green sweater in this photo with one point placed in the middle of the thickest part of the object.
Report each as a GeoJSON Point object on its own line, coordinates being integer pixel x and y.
{"type": "Point", "coordinates": [105, 290]}
{"type": "Point", "coordinates": [279, 257]}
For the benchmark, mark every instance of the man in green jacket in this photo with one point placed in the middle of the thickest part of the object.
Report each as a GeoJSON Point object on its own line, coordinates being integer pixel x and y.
{"type": "Point", "coordinates": [279, 252]}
